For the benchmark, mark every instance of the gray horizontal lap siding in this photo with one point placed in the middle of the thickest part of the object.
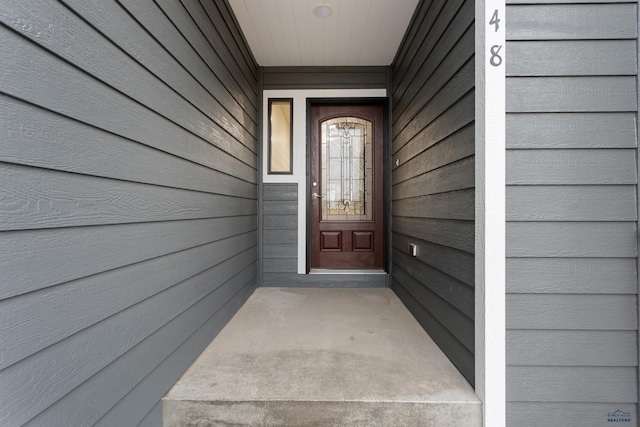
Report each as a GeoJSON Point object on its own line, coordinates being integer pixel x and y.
{"type": "Point", "coordinates": [572, 315]}
{"type": "Point", "coordinates": [324, 77]}
{"type": "Point", "coordinates": [433, 184]}
{"type": "Point", "coordinates": [129, 215]}
{"type": "Point", "coordinates": [280, 235]}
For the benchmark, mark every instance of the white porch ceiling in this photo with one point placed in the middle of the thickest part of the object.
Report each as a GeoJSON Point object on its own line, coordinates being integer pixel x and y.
{"type": "Point", "coordinates": [357, 33]}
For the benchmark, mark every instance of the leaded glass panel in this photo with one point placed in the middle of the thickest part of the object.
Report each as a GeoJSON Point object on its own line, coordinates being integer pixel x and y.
{"type": "Point", "coordinates": [346, 160]}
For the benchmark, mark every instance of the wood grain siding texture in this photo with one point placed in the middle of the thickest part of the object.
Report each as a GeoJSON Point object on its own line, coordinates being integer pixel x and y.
{"type": "Point", "coordinates": [572, 246]}
{"type": "Point", "coordinates": [128, 201]}
{"type": "Point", "coordinates": [280, 235]}
{"type": "Point", "coordinates": [433, 179]}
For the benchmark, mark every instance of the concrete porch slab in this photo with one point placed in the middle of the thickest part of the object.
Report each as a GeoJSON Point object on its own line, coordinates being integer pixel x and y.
{"type": "Point", "coordinates": [302, 357]}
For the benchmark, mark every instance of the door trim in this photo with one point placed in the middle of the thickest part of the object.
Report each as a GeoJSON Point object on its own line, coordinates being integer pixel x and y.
{"type": "Point", "coordinates": [300, 153]}
{"type": "Point", "coordinates": [490, 226]}
{"type": "Point", "coordinates": [374, 109]}
{"type": "Point", "coordinates": [386, 230]}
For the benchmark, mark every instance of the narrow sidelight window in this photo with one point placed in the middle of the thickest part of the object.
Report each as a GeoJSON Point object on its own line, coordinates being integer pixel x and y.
{"type": "Point", "coordinates": [280, 136]}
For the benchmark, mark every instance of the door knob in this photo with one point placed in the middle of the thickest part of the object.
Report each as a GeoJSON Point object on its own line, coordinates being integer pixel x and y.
{"type": "Point", "coordinates": [316, 195]}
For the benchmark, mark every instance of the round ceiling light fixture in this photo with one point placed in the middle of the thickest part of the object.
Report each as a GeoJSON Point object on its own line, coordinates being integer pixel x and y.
{"type": "Point", "coordinates": [322, 10]}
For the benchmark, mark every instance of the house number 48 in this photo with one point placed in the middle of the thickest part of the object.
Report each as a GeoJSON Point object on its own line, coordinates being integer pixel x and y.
{"type": "Point", "coordinates": [496, 59]}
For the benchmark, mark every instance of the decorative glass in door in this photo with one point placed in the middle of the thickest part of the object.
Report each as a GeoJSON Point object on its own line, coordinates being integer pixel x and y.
{"type": "Point", "coordinates": [346, 160]}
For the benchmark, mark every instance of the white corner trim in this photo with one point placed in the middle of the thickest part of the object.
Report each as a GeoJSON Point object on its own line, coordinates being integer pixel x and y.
{"type": "Point", "coordinates": [299, 175]}
{"type": "Point", "coordinates": [490, 234]}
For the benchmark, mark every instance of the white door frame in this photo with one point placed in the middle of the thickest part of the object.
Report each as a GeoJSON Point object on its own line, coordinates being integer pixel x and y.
{"type": "Point", "coordinates": [299, 175]}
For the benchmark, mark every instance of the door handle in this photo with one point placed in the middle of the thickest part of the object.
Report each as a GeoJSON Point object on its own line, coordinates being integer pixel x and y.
{"type": "Point", "coordinates": [316, 195]}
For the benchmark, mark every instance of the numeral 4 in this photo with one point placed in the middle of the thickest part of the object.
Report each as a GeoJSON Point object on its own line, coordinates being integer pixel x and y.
{"type": "Point", "coordinates": [495, 20]}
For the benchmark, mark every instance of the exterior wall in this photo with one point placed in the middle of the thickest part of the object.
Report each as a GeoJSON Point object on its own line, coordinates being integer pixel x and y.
{"type": "Point", "coordinates": [128, 181]}
{"type": "Point", "coordinates": [324, 77]}
{"type": "Point", "coordinates": [280, 234]}
{"type": "Point", "coordinates": [572, 351]}
{"type": "Point", "coordinates": [284, 205]}
{"type": "Point", "coordinates": [433, 181]}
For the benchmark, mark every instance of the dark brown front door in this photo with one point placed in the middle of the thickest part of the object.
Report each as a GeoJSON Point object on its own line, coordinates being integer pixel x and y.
{"type": "Point", "coordinates": [347, 186]}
